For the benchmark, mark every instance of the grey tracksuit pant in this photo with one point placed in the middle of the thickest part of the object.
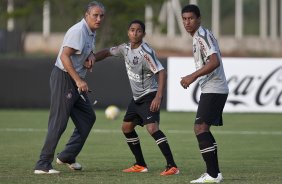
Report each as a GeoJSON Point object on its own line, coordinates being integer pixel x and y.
{"type": "Point", "coordinates": [65, 103]}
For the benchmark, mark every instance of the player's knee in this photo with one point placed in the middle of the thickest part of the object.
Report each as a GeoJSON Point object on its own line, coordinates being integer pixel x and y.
{"type": "Point", "coordinates": [152, 128]}
{"type": "Point", "coordinates": [201, 128]}
{"type": "Point", "coordinates": [127, 127]}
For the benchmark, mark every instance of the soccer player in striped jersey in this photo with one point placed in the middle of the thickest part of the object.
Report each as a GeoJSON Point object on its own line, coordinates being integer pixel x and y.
{"type": "Point", "coordinates": [211, 77]}
{"type": "Point", "coordinates": [142, 67]}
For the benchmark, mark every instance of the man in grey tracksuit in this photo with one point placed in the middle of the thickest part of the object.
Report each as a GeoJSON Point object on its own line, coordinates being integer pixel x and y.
{"type": "Point", "coordinates": [68, 92]}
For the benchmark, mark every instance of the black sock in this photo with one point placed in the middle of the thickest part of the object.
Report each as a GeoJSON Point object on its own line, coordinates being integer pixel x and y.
{"type": "Point", "coordinates": [133, 142]}
{"type": "Point", "coordinates": [208, 152]}
{"type": "Point", "coordinates": [161, 140]}
{"type": "Point", "coordinates": [215, 152]}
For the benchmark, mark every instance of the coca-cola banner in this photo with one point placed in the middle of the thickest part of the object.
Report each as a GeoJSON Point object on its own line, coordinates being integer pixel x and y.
{"type": "Point", "coordinates": [255, 85]}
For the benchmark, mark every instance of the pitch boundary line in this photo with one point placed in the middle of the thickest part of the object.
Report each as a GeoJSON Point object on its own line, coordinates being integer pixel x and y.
{"type": "Point", "coordinates": [168, 131]}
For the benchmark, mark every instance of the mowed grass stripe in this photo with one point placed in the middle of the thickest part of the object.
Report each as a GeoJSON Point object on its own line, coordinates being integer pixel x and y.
{"type": "Point", "coordinates": [168, 131]}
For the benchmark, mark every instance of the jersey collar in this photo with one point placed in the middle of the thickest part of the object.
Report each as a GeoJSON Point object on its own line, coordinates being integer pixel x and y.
{"type": "Point", "coordinates": [129, 45]}
{"type": "Point", "coordinates": [196, 32]}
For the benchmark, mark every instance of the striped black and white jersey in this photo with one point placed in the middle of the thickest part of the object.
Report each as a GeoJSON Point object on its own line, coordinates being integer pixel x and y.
{"type": "Point", "coordinates": [204, 45]}
{"type": "Point", "coordinates": [141, 65]}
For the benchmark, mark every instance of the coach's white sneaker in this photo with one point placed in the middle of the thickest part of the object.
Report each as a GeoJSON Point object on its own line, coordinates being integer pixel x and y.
{"type": "Point", "coordinates": [51, 171]}
{"type": "Point", "coordinates": [73, 166]}
{"type": "Point", "coordinates": [219, 177]}
{"type": "Point", "coordinates": [206, 178]}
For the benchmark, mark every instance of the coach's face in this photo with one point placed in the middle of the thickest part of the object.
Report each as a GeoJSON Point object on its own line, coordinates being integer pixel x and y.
{"type": "Point", "coordinates": [94, 17]}
{"type": "Point", "coordinates": [191, 22]}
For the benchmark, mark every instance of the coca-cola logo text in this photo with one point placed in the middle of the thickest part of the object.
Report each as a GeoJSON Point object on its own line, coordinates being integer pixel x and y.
{"type": "Point", "coordinates": [264, 89]}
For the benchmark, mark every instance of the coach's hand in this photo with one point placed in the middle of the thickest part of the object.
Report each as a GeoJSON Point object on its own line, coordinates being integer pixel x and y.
{"type": "Point", "coordinates": [82, 86]}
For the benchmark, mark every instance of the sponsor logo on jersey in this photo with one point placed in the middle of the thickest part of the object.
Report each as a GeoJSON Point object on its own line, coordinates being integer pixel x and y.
{"type": "Point", "coordinates": [203, 49]}
{"type": "Point", "coordinates": [147, 58]}
{"type": "Point", "coordinates": [133, 76]}
{"type": "Point", "coordinates": [194, 48]}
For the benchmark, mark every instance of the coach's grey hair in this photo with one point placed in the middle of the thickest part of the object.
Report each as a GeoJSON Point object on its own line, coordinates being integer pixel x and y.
{"type": "Point", "coordinates": [94, 3]}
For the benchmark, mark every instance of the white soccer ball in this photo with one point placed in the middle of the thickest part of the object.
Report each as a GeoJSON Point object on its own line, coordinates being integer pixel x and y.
{"type": "Point", "coordinates": [112, 112]}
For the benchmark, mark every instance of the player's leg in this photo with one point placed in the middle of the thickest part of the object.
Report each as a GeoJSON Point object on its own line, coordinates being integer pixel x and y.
{"type": "Point", "coordinates": [161, 140]}
{"type": "Point", "coordinates": [209, 113]}
{"type": "Point", "coordinates": [151, 120]}
{"type": "Point", "coordinates": [208, 151]}
{"type": "Point", "coordinates": [133, 142]}
{"type": "Point", "coordinates": [219, 175]}
{"type": "Point", "coordinates": [83, 117]}
{"type": "Point", "coordinates": [202, 132]}
{"type": "Point", "coordinates": [132, 139]}
{"type": "Point", "coordinates": [215, 152]}
{"type": "Point", "coordinates": [207, 148]}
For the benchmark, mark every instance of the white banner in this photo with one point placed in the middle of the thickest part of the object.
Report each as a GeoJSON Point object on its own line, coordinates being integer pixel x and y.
{"type": "Point", "coordinates": [255, 85]}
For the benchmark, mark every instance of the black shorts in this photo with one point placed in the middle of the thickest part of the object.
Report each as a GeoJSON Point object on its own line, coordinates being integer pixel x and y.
{"type": "Point", "coordinates": [139, 112]}
{"type": "Point", "coordinates": [210, 109]}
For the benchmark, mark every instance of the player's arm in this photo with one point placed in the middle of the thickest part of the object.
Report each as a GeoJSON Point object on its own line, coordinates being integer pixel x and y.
{"type": "Point", "coordinates": [210, 66]}
{"type": "Point", "coordinates": [113, 51]}
{"type": "Point", "coordinates": [102, 54]}
{"type": "Point", "coordinates": [95, 57]}
{"type": "Point", "coordinates": [66, 60]}
{"type": "Point", "coordinates": [156, 103]}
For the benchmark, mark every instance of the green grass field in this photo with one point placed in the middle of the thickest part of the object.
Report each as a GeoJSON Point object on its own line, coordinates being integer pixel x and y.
{"type": "Point", "coordinates": [250, 150]}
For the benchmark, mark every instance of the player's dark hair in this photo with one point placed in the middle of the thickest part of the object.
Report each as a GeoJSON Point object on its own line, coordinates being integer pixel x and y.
{"type": "Point", "coordinates": [191, 8]}
{"type": "Point", "coordinates": [138, 22]}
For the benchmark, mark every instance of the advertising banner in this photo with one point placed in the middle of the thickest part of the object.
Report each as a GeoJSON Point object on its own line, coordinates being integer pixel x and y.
{"type": "Point", "coordinates": [255, 85]}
